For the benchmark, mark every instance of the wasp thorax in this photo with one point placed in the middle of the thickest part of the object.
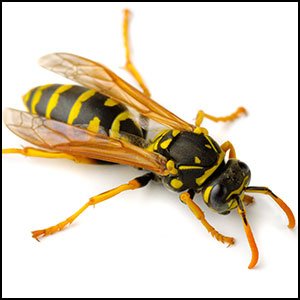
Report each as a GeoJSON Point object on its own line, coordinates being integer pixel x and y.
{"type": "Point", "coordinates": [192, 158]}
{"type": "Point", "coordinates": [223, 189]}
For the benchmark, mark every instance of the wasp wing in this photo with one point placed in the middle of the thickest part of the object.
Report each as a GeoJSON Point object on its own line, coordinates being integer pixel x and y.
{"type": "Point", "coordinates": [58, 136]}
{"type": "Point", "coordinates": [96, 76]}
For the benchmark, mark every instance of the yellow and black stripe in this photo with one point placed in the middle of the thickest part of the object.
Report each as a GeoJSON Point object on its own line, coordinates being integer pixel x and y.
{"type": "Point", "coordinates": [80, 106]}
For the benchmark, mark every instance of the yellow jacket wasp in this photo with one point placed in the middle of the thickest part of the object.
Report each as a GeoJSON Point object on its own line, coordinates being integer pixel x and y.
{"type": "Point", "coordinates": [92, 123]}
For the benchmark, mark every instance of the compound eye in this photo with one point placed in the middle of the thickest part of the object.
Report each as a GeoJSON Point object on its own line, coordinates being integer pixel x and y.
{"type": "Point", "coordinates": [218, 198]}
{"type": "Point", "coordinates": [218, 193]}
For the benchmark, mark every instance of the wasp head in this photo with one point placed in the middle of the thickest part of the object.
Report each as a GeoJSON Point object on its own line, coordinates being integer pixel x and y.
{"type": "Point", "coordinates": [222, 191]}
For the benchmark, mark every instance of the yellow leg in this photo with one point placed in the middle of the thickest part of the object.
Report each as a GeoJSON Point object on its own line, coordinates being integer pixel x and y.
{"type": "Point", "coordinates": [228, 146]}
{"type": "Point", "coordinates": [201, 115]}
{"type": "Point", "coordinates": [131, 185]}
{"type": "Point", "coordinates": [186, 198]}
{"type": "Point", "coordinates": [129, 65]}
{"type": "Point", "coordinates": [35, 152]}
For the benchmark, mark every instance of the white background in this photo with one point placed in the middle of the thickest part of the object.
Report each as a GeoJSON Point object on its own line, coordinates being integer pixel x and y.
{"type": "Point", "coordinates": [146, 243]}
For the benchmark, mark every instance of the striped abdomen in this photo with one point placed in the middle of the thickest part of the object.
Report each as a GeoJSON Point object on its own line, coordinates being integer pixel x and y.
{"type": "Point", "coordinates": [77, 105]}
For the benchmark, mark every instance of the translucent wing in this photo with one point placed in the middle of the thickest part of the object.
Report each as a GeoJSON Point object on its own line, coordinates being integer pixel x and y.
{"type": "Point", "coordinates": [96, 76]}
{"type": "Point", "coordinates": [58, 136]}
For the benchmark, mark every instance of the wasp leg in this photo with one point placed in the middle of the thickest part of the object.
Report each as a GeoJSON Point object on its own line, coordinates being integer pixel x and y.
{"type": "Point", "coordinates": [248, 200]}
{"type": "Point", "coordinates": [129, 66]}
{"type": "Point", "coordinates": [228, 146]}
{"type": "Point", "coordinates": [35, 152]}
{"type": "Point", "coordinates": [131, 185]}
{"type": "Point", "coordinates": [201, 115]}
{"type": "Point", "coordinates": [187, 198]}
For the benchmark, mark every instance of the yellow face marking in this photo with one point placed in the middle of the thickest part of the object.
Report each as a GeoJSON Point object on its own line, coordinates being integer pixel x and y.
{"type": "Point", "coordinates": [239, 190]}
{"type": "Point", "coordinates": [110, 102]}
{"type": "Point", "coordinates": [115, 127]}
{"type": "Point", "coordinates": [77, 105]}
{"type": "Point", "coordinates": [197, 160]}
{"type": "Point", "coordinates": [207, 146]}
{"type": "Point", "coordinates": [171, 167]}
{"type": "Point", "coordinates": [165, 144]}
{"type": "Point", "coordinates": [189, 167]}
{"type": "Point", "coordinates": [210, 142]}
{"type": "Point", "coordinates": [200, 180]}
{"type": "Point", "coordinates": [176, 183]}
{"type": "Point", "coordinates": [94, 125]}
{"type": "Point", "coordinates": [206, 193]}
{"type": "Point", "coordinates": [232, 204]}
{"type": "Point", "coordinates": [54, 99]}
{"type": "Point", "coordinates": [175, 132]}
{"type": "Point", "coordinates": [37, 96]}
